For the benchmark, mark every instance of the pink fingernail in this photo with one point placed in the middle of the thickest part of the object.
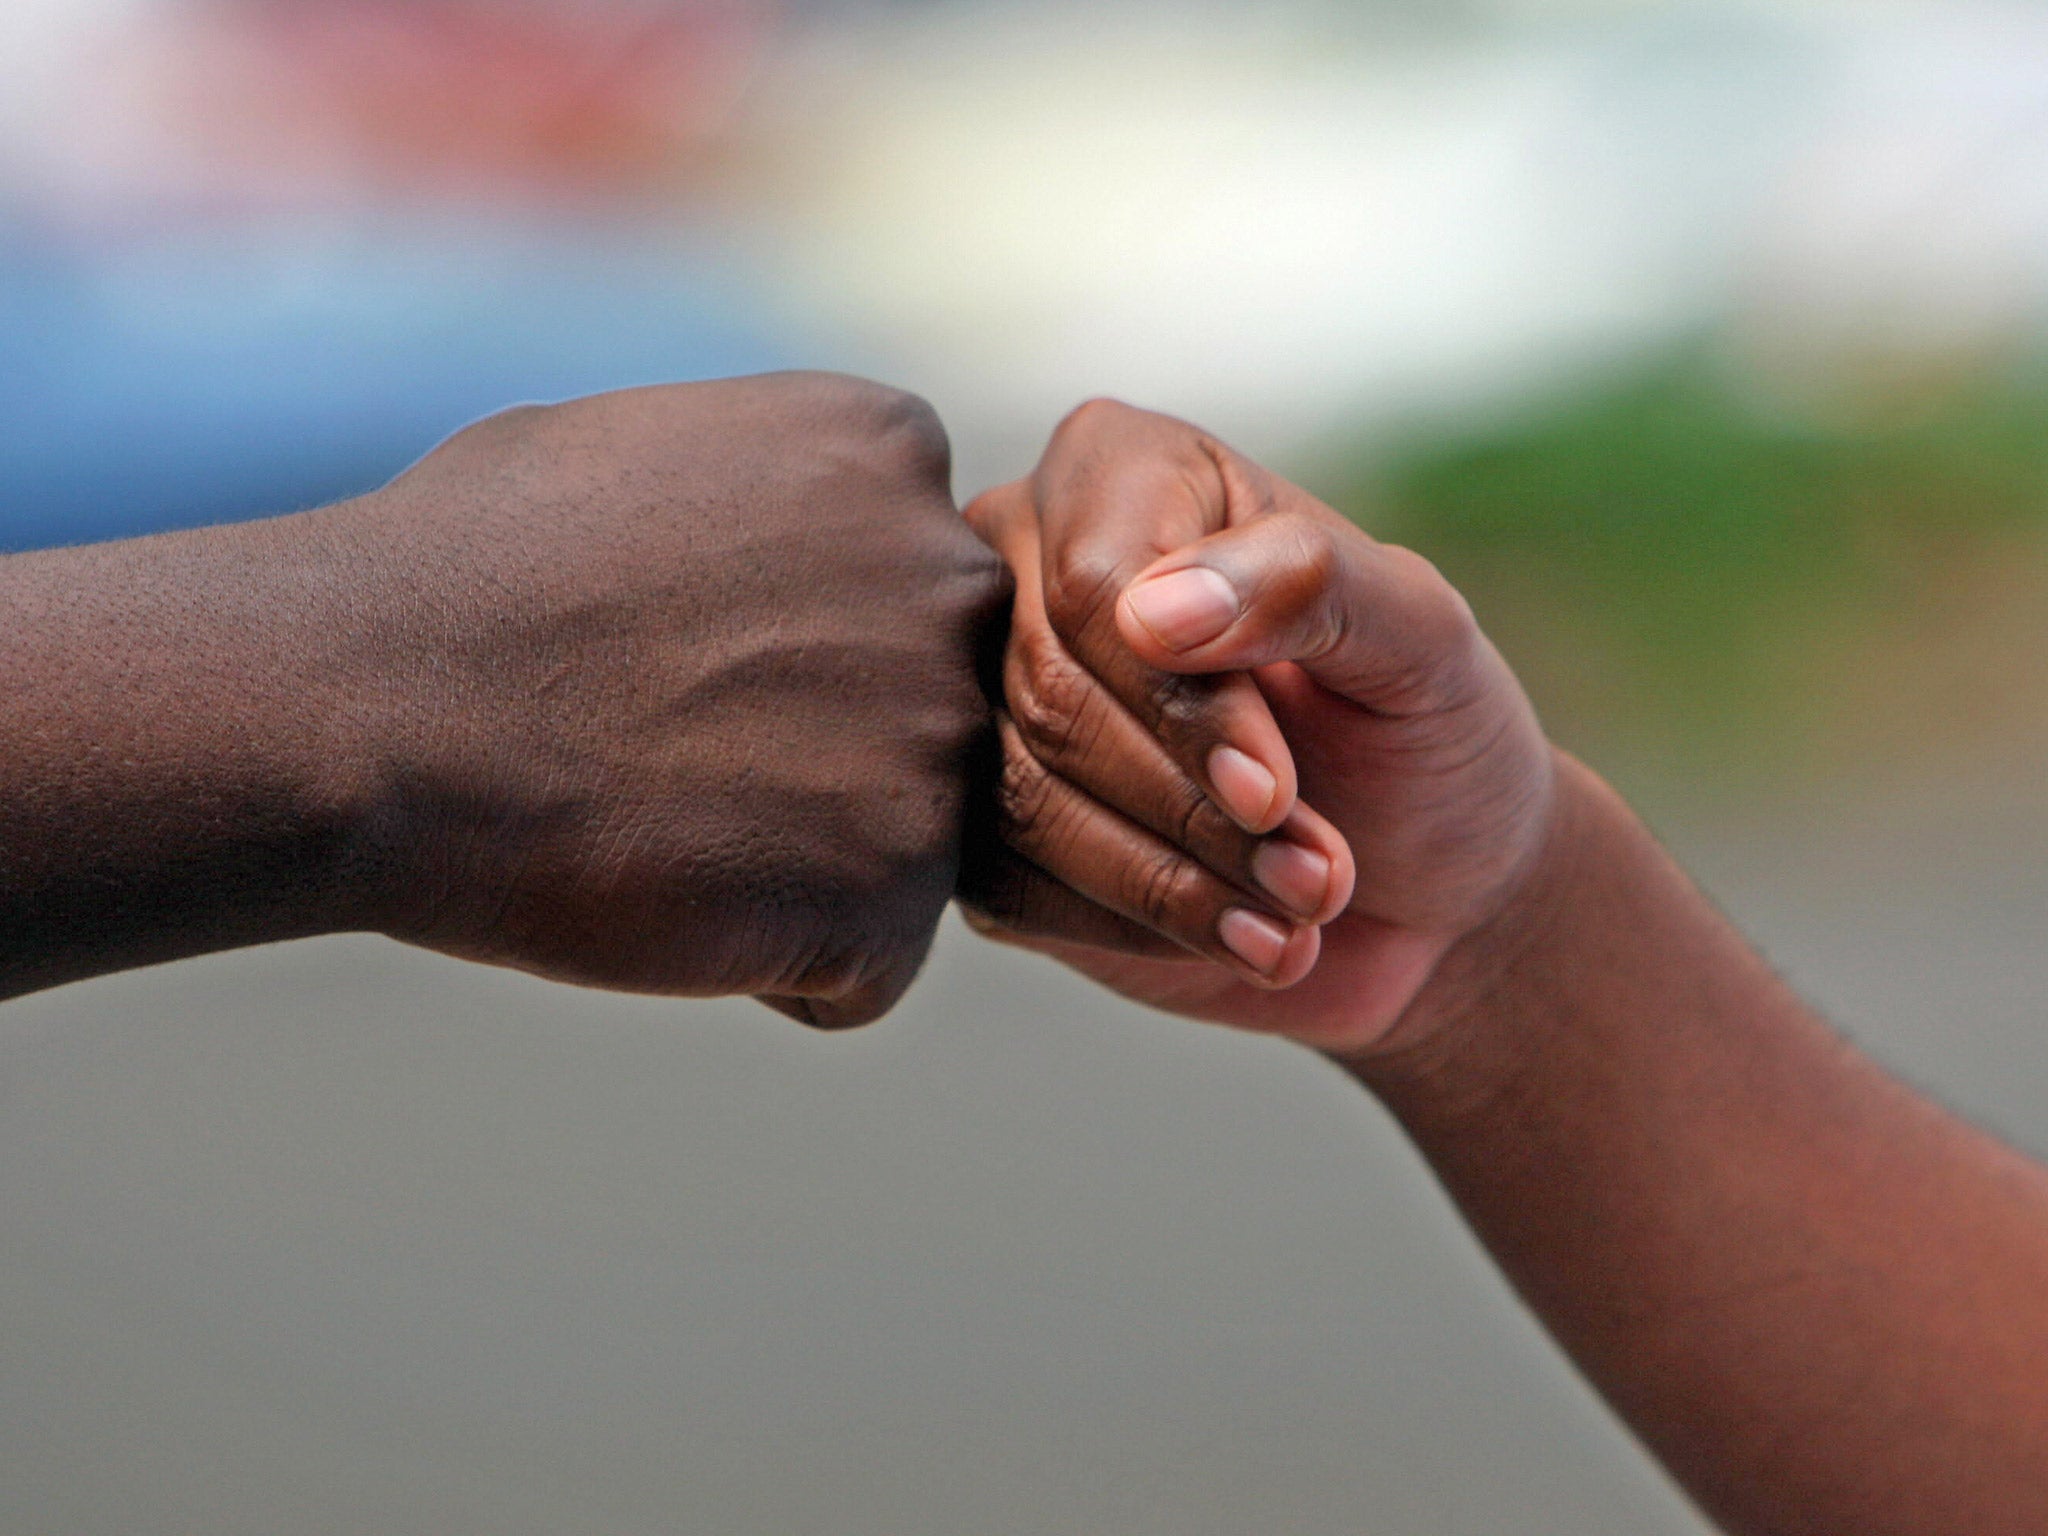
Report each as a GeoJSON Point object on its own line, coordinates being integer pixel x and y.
{"type": "Point", "coordinates": [1255, 939]}
{"type": "Point", "coordinates": [1184, 609]}
{"type": "Point", "coordinates": [1298, 877]}
{"type": "Point", "coordinates": [1244, 787]}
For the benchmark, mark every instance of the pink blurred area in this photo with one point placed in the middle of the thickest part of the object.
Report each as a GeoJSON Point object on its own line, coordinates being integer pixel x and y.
{"type": "Point", "coordinates": [233, 105]}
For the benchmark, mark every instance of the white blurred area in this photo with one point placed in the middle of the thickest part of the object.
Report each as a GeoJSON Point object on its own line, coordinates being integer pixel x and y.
{"type": "Point", "coordinates": [1277, 232]}
{"type": "Point", "coordinates": [1271, 220]}
{"type": "Point", "coordinates": [1277, 217]}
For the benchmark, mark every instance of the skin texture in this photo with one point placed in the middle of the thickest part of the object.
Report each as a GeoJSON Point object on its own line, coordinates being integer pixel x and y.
{"type": "Point", "coordinates": [1820, 1299]}
{"type": "Point", "coordinates": [671, 690]}
{"type": "Point", "coordinates": [1428, 775]}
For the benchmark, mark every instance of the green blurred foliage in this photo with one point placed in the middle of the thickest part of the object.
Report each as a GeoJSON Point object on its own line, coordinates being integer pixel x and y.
{"type": "Point", "coordinates": [1696, 580]}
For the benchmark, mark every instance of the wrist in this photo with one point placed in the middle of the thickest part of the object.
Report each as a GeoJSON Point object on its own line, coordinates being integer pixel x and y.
{"type": "Point", "coordinates": [387, 719]}
{"type": "Point", "coordinates": [1449, 1030]}
{"type": "Point", "coordinates": [312, 733]}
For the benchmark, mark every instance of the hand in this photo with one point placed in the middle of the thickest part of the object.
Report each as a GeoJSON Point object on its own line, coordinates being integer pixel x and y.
{"type": "Point", "coordinates": [1216, 609]}
{"type": "Point", "coordinates": [673, 690]}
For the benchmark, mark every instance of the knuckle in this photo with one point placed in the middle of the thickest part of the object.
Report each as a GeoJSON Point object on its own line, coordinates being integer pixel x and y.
{"type": "Point", "coordinates": [1314, 546]}
{"type": "Point", "coordinates": [1082, 584]}
{"type": "Point", "coordinates": [525, 414]}
{"type": "Point", "coordinates": [911, 428]}
{"type": "Point", "coordinates": [1156, 887]}
{"type": "Point", "coordinates": [1301, 594]}
{"type": "Point", "coordinates": [885, 428]}
{"type": "Point", "coordinates": [495, 429]}
{"type": "Point", "coordinates": [845, 393]}
{"type": "Point", "coordinates": [1196, 463]}
{"type": "Point", "coordinates": [1196, 822]}
{"type": "Point", "coordinates": [1050, 698]}
{"type": "Point", "coordinates": [1097, 413]}
{"type": "Point", "coordinates": [849, 988]}
{"type": "Point", "coordinates": [1024, 798]}
{"type": "Point", "coordinates": [905, 430]}
{"type": "Point", "coordinates": [1182, 706]}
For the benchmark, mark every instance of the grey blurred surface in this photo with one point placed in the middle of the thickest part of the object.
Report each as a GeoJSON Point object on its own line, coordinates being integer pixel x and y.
{"type": "Point", "coordinates": [337, 1237]}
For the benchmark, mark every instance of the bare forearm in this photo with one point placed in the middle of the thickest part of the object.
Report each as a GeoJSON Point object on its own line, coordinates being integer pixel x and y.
{"type": "Point", "coordinates": [177, 771]}
{"type": "Point", "coordinates": [670, 689]}
{"type": "Point", "coordinates": [1821, 1299]}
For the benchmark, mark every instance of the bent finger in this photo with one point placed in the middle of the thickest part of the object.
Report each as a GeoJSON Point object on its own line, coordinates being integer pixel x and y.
{"type": "Point", "coordinates": [1118, 489]}
{"type": "Point", "coordinates": [1016, 902]}
{"type": "Point", "coordinates": [1079, 731]}
{"type": "Point", "coordinates": [1121, 866]}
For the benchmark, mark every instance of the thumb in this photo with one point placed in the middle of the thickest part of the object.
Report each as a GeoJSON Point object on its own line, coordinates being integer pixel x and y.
{"type": "Point", "coordinates": [1371, 621]}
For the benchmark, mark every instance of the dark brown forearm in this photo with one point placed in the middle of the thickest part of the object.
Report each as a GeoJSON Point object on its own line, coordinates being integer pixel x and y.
{"type": "Point", "coordinates": [1822, 1300]}
{"type": "Point", "coordinates": [177, 766]}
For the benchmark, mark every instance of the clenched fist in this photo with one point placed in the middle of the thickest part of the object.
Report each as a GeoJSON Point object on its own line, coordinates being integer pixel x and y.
{"type": "Point", "coordinates": [1280, 744]}
{"type": "Point", "coordinates": [670, 690]}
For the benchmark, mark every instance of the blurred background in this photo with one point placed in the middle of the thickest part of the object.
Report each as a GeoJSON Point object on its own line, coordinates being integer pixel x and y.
{"type": "Point", "coordinates": [1703, 344]}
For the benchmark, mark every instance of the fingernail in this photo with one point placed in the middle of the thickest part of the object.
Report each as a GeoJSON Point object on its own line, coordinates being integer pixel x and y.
{"type": "Point", "coordinates": [1244, 786]}
{"type": "Point", "coordinates": [1255, 939]}
{"type": "Point", "coordinates": [1184, 608]}
{"type": "Point", "coordinates": [1298, 877]}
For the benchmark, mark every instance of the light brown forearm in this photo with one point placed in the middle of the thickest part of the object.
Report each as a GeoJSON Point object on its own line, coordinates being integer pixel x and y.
{"type": "Point", "coordinates": [1818, 1297]}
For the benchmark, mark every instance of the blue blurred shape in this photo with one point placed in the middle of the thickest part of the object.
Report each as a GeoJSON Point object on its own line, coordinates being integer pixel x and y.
{"type": "Point", "coordinates": [170, 382]}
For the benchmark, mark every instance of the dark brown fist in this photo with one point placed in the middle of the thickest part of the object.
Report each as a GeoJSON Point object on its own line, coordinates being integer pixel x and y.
{"type": "Point", "coordinates": [673, 690]}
